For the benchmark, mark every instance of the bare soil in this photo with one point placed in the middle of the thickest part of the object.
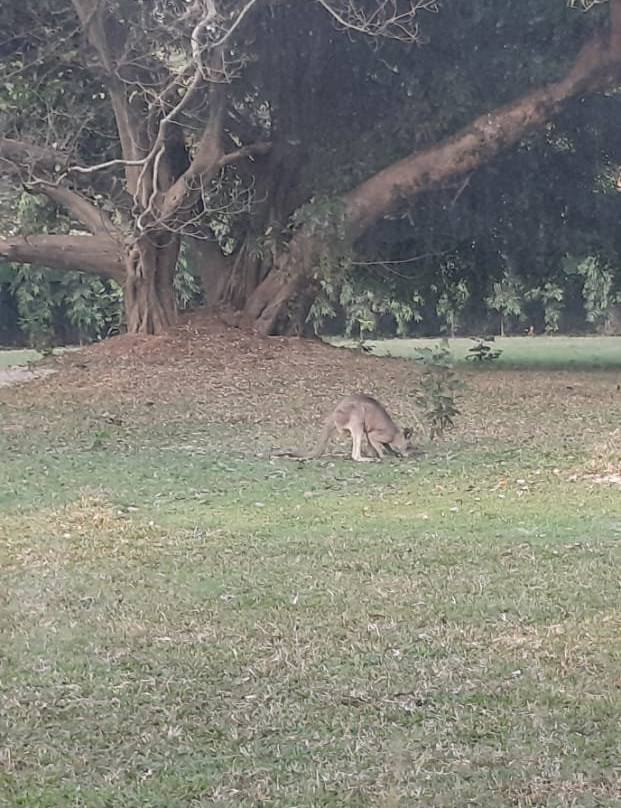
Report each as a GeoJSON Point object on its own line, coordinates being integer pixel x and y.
{"type": "Point", "coordinates": [19, 375]}
{"type": "Point", "coordinates": [233, 370]}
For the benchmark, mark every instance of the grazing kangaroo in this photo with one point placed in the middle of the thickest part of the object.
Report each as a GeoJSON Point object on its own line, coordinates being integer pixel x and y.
{"type": "Point", "coordinates": [362, 416]}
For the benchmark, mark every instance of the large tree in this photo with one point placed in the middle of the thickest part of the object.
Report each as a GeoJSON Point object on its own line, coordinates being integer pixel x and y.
{"type": "Point", "coordinates": [266, 132]}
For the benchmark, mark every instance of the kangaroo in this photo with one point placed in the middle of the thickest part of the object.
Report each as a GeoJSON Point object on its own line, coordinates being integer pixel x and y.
{"type": "Point", "coordinates": [361, 415]}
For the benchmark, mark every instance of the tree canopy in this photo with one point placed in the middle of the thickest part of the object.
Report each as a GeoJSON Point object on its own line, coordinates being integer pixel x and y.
{"type": "Point", "coordinates": [284, 147]}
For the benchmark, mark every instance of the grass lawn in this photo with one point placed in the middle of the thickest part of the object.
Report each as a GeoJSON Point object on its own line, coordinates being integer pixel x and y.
{"type": "Point", "coordinates": [518, 352]}
{"type": "Point", "coordinates": [18, 357]}
{"type": "Point", "coordinates": [187, 622]}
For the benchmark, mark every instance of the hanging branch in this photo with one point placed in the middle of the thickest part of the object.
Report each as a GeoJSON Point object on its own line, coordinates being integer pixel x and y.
{"type": "Point", "coordinates": [390, 19]}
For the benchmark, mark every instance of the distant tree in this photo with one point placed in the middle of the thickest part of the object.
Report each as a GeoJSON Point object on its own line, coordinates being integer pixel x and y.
{"type": "Point", "coordinates": [551, 297]}
{"type": "Point", "coordinates": [451, 293]}
{"type": "Point", "coordinates": [598, 292]}
{"type": "Point", "coordinates": [506, 298]}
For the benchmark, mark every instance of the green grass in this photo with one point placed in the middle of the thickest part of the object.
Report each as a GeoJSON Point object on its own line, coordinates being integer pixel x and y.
{"type": "Point", "coordinates": [18, 357]}
{"type": "Point", "coordinates": [183, 627]}
{"type": "Point", "coordinates": [11, 358]}
{"type": "Point", "coordinates": [519, 352]}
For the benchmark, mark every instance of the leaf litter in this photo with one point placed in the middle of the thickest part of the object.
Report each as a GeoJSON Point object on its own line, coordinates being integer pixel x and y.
{"type": "Point", "coordinates": [275, 392]}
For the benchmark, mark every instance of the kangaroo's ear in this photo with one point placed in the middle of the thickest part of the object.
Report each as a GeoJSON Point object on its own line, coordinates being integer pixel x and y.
{"type": "Point", "coordinates": [408, 432]}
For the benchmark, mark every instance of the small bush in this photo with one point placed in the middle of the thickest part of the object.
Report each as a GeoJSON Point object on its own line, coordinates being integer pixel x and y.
{"type": "Point", "coordinates": [482, 351]}
{"type": "Point", "coordinates": [438, 388]}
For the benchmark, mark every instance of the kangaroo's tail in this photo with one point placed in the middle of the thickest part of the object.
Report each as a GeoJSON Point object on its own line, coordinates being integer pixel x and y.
{"type": "Point", "coordinates": [326, 434]}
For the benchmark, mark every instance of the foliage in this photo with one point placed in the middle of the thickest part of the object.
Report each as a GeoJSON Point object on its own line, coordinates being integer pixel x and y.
{"type": "Point", "coordinates": [66, 307]}
{"type": "Point", "coordinates": [452, 294]}
{"type": "Point", "coordinates": [551, 296]}
{"type": "Point", "coordinates": [373, 306]}
{"type": "Point", "coordinates": [598, 288]}
{"type": "Point", "coordinates": [363, 306]}
{"type": "Point", "coordinates": [89, 307]}
{"type": "Point", "coordinates": [32, 289]}
{"type": "Point", "coordinates": [93, 306]}
{"type": "Point", "coordinates": [188, 291]}
{"type": "Point", "coordinates": [361, 309]}
{"type": "Point", "coordinates": [482, 351]}
{"type": "Point", "coordinates": [437, 389]}
{"type": "Point", "coordinates": [506, 298]}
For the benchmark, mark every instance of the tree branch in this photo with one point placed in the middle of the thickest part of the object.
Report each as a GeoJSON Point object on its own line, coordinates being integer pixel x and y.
{"type": "Point", "coordinates": [223, 38]}
{"type": "Point", "coordinates": [173, 206]}
{"type": "Point", "coordinates": [77, 206]}
{"type": "Point", "coordinates": [37, 166]}
{"type": "Point", "coordinates": [22, 159]}
{"type": "Point", "coordinates": [103, 166]}
{"type": "Point", "coordinates": [245, 151]}
{"type": "Point", "coordinates": [96, 255]}
{"type": "Point", "coordinates": [386, 20]}
{"type": "Point", "coordinates": [91, 15]}
{"type": "Point", "coordinates": [598, 65]}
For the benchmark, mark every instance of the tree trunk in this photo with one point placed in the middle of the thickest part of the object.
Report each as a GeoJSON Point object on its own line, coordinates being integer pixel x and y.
{"type": "Point", "coordinates": [146, 275]}
{"type": "Point", "coordinates": [150, 302]}
{"type": "Point", "coordinates": [212, 267]}
{"type": "Point", "coordinates": [245, 275]}
{"type": "Point", "coordinates": [281, 301]}
{"type": "Point", "coordinates": [266, 309]}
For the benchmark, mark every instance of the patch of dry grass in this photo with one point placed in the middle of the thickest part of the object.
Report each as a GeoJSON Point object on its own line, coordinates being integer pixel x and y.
{"type": "Point", "coordinates": [363, 663]}
{"type": "Point", "coordinates": [605, 456]}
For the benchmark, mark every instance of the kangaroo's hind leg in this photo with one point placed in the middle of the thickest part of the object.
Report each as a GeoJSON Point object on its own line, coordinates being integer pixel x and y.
{"type": "Point", "coordinates": [377, 447]}
{"type": "Point", "coordinates": [357, 431]}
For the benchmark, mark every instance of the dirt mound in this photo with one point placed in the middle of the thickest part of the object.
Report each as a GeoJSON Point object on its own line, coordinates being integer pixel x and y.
{"type": "Point", "coordinates": [204, 372]}
{"type": "Point", "coordinates": [234, 374]}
